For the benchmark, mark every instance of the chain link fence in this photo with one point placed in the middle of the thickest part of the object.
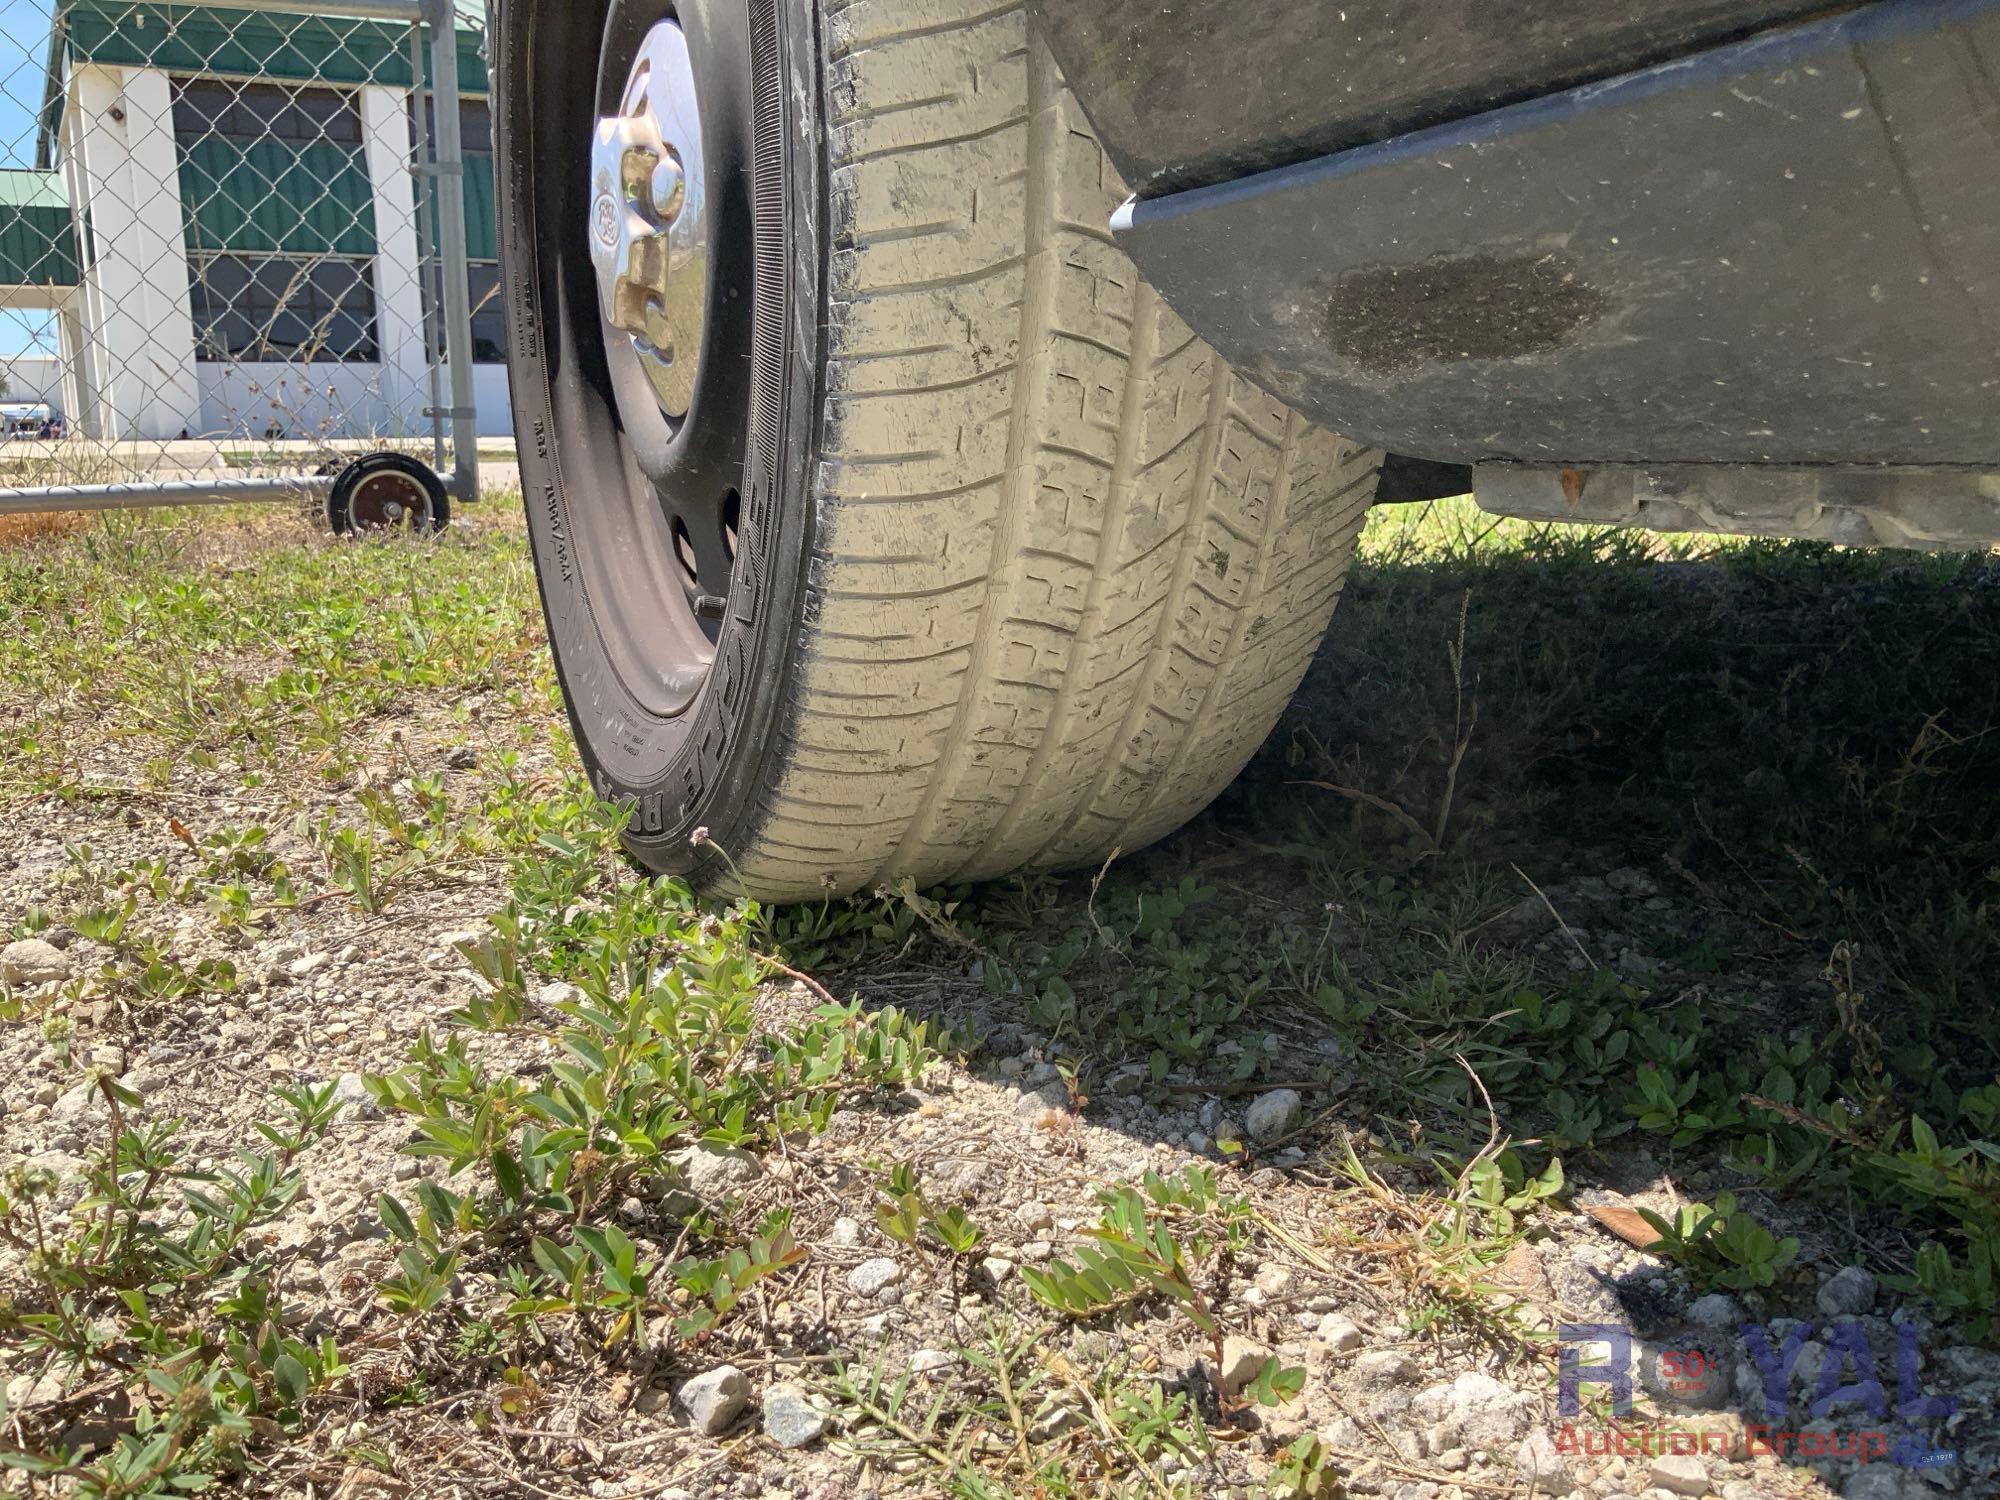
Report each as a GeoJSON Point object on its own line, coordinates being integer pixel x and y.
{"type": "Point", "coordinates": [243, 245]}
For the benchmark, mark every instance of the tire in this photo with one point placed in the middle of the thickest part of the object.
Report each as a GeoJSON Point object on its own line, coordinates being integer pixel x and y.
{"type": "Point", "coordinates": [416, 499]}
{"type": "Point", "coordinates": [1023, 573]}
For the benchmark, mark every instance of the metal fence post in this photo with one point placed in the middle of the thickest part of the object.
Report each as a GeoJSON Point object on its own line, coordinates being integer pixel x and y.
{"type": "Point", "coordinates": [450, 168]}
{"type": "Point", "coordinates": [423, 110]}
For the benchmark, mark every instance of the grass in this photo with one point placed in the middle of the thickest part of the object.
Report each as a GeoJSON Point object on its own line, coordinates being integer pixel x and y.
{"type": "Point", "coordinates": [180, 649]}
{"type": "Point", "coordinates": [1784, 753]}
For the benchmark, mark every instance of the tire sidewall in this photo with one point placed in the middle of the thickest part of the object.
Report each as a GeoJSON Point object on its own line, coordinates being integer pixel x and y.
{"type": "Point", "coordinates": [708, 765]}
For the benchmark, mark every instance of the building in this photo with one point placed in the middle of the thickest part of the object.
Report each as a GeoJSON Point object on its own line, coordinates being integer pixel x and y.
{"type": "Point", "coordinates": [223, 221]}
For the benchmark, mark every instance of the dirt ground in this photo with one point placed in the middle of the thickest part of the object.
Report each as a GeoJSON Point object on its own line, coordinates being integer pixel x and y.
{"type": "Point", "coordinates": [1588, 875]}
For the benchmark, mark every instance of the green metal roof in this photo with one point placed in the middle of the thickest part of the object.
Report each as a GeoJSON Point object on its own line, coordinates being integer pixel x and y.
{"type": "Point", "coordinates": [265, 196]}
{"type": "Point", "coordinates": [194, 39]}
{"type": "Point", "coordinates": [37, 235]}
{"type": "Point", "coordinates": [22, 188]}
{"type": "Point", "coordinates": [253, 44]}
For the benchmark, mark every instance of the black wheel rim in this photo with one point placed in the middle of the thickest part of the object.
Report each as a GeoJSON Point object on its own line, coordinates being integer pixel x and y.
{"type": "Point", "coordinates": [659, 556]}
{"type": "Point", "coordinates": [389, 500]}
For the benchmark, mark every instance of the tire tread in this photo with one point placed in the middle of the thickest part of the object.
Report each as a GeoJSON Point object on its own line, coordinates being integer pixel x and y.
{"type": "Point", "coordinates": [1088, 562]}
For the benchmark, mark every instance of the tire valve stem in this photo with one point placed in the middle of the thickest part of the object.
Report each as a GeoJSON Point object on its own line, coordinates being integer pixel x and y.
{"type": "Point", "coordinates": [710, 606]}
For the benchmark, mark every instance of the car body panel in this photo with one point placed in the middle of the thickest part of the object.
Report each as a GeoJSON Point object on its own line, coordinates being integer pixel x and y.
{"type": "Point", "coordinates": [1186, 93]}
{"type": "Point", "coordinates": [1784, 250]}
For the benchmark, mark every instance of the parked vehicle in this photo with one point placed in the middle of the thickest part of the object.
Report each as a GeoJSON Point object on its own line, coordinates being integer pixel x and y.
{"type": "Point", "coordinates": [28, 419]}
{"type": "Point", "coordinates": [929, 409]}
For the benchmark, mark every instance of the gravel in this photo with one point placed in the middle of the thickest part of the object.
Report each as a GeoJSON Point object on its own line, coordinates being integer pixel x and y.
{"type": "Point", "coordinates": [335, 993]}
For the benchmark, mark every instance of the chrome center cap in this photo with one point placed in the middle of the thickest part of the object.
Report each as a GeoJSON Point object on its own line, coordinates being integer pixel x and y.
{"type": "Point", "coordinates": [649, 220]}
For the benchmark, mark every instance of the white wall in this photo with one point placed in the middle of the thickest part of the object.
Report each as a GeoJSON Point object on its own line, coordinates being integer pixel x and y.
{"type": "Point", "coordinates": [333, 401]}
{"type": "Point", "coordinates": [120, 160]}
{"type": "Point", "coordinates": [35, 378]}
{"type": "Point", "coordinates": [490, 392]}
{"type": "Point", "coordinates": [399, 303]}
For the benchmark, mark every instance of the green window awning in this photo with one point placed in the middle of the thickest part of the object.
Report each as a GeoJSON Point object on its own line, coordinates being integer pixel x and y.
{"type": "Point", "coordinates": [37, 234]}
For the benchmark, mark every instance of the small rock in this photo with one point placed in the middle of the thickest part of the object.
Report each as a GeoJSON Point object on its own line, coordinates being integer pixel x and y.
{"type": "Point", "coordinates": [1052, 1419]}
{"type": "Point", "coordinates": [1848, 1293]}
{"type": "Point", "coordinates": [72, 1107]}
{"type": "Point", "coordinates": [1725, 1434]}
{"type": "Point", "coordinates": [649, 1400]}
{"type": "Point", "coordinates": [1879, 1481]}
{"type": "Point", "coordinates": [1275, 1281]}
{"type": "Point", "coordinates": [1714, 1311]}
{"type": "Point", "coordinates": [1682, 1473]}
{"type": "Point", "coordinates": [309, 965]}
{"type": "Point", "coordinates": [930, 1361]}
{"type": "Point", "coordinates": [1692, 1371]}
{"type": "Point", "coordinates": [1035, 1217]}
{"type": "Point", "coordinates": [1339, 1333]}
{"type": "Point", "coordinates": [1541, 1466]}
{"type": "Point", "coordinates": [845, 1232]}
{"type": "Point", "coordinates": [352, 1095]}
{"type": "Point", "coordinates": [711, 1171]}
{"type": "Point", "coordinates": [714, 1400]}
{"type": "Point", "coordinates": [1242, 1359]}
{"type": "Point", "coordinates": [1381, 1368]}
{"type": "Point", "coordinates": [872, 1277]}
{"type": "Point", "coordinates": [1035, 1103]}
{"type": "Point", "coordinates": [1632, 882]}
{"type": "Point", "coordinates": [32, 961]}
{"type": "Point", "coordinates": [1274, 1115]}
{"type": "Point", "coordinates": [25, 1391]}
{"type": "Point", "coordinates": [462, 758]}
{"type": "Point", "coordinates": [1525, 919]}
{"type": "Point", "coordinates": [790, 1420]}
{"type": "Point", "coordinates": [1475, 1410]}
{"type": "Point", "coordinates": [997, 1269]}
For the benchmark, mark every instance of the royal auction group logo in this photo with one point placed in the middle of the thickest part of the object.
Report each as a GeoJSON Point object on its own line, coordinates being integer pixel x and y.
{"type": "Point", "coordinates": [1849, 1416]}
